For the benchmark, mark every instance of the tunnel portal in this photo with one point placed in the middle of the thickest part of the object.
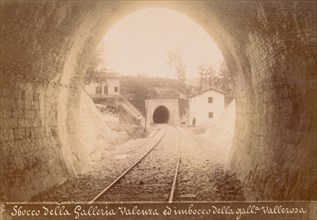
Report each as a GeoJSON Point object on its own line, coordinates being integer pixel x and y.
{"type": "Point", "coordinates": [270, 60]}
{"type": "Point", "coordinates": [160, 111]}
{"type": "Point", "coordinates": [161, 115]}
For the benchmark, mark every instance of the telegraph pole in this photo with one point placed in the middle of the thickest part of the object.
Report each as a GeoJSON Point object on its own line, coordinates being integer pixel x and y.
{"type": "Point", "coordinates": [145, 120]}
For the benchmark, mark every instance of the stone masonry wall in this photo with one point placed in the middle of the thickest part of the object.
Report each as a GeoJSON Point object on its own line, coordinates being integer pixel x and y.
{"type": "Point", "coordinates": [269, 46]}
{"type": "Point", "coordinates": [36, 43]}
{"type": "Point", "coordinates": [172, 106]}
{"type": "Point", "coordinates": [275, 142]}
{"type": "Point", "coordinates": [31, 156]}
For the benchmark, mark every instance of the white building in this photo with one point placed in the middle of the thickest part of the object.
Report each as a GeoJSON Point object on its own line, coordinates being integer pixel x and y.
{"type": "Point", "coordinates": [104, 85]}
{"type": "Point", "coordinates": [206, 106]}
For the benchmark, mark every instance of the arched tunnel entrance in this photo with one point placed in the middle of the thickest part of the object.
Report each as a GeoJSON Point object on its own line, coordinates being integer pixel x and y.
{"type": "Point", "coordinates": [44, 60]}
{"type": "Point", "coordinates": [161, 115]}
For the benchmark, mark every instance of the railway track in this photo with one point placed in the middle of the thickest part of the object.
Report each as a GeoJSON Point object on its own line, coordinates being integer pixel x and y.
{"type": "Point", "coordinates": [137, 165]}
{"type": "Point", "coordinates": [171, 197]}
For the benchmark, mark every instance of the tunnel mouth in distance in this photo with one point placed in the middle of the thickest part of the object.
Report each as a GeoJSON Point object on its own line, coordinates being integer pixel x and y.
{"type": "Point", "coordinates": [161, 115]}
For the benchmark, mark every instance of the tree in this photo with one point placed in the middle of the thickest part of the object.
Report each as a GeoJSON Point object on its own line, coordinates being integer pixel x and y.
{"type": "Point", "coordinates": [96, 64]}
{"type": "Point", "coordinates": [97, 59]}
{"type": "Point", "coordinates": [210, 77]}
{"type": "Point", "coordinates": [227, 83]}
{"type": "Point", "coordinates": [175, 59]}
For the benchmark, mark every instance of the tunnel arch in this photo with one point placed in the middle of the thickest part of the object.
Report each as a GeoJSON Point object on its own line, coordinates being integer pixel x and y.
{"type": "Point", "coordinates": [161, 115]}
{"type": "Point", "coordinates": [271, 59]}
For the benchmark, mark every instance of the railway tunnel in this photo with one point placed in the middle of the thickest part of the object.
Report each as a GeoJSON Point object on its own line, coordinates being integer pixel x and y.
{"type": "Point", "coordinates": [269, 46]}
{"type": "Point", "coordinates": [161, 115]}
{"type": "Point", "coordinates": [160, 111]}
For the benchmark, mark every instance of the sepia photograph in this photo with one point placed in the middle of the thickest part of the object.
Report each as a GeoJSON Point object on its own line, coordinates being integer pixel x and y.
{"type": "Point", "coordinates": [159, 110]}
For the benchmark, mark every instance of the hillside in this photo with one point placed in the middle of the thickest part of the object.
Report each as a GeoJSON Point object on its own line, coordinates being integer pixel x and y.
{"type": "Point", "coordinates": [136, 89]}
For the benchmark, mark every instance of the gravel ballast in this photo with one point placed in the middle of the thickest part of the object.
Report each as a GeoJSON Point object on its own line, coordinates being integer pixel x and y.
{"type": "Point", "coordinates": [201, 175]}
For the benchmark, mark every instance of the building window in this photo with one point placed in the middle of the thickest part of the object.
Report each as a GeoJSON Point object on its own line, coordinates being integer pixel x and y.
{"type": "Point", "coordinates": [210, 114]}
{"type": "Point", "coordinates": [210, 100]}
{"type": "Point", "coordinates": [98, 90]}
{"type": "Point", "coordinates": [115, 89]}
{"type": "Point", "coordinates": [105, 90]}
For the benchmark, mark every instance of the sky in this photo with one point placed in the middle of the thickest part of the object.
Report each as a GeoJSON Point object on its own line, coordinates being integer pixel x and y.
{"type": "Point", "coordinates": [138, 44]}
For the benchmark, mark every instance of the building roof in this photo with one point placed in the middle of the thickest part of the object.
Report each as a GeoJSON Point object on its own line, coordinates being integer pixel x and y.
{"type": "Point", "coordinates": [109, 75]}
{"type": "Point", "coordinates": [106, 74]}
{"type": "Point", "coordinates": [100, 75]}
{"type": "Point", "coordinates": [206, 90]}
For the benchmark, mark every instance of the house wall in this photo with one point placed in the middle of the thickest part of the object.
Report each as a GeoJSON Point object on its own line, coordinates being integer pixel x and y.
{"type": "Point", "coordinates": [111, 83]}
{"type": "Point", "coordinates": [200, 108]}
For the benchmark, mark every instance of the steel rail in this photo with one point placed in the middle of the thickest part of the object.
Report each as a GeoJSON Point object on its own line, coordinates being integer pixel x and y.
{"type": "Point", "coordinates": [174, 181]}
{"type": "Point", "coordinates": [128, 170]}
{"type": "Point", "coordinates": [171, 197]}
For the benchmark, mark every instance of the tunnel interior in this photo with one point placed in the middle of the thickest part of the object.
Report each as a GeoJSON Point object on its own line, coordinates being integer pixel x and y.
{"type": "Point", "coordinates": [45, 55]}
{"type": "Point", "coordinates": [161, 115]}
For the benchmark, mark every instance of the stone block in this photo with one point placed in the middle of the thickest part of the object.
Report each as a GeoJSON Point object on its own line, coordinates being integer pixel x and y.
{"type": "Point", "coordinates": [18, 133]}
